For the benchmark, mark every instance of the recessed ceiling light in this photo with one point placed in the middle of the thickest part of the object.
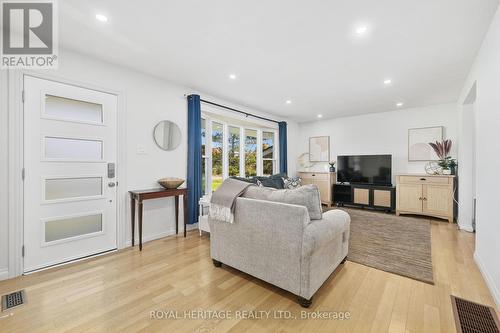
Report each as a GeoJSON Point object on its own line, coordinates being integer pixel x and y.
{"type": "Point", "coordinates": [232, 76]}
{"type": "Point", "coordinates": [288, 101]}
{"type": "Point", "coordinates": [320, 116]}
{"type": "Point", "coordinates": [387, 81]}
{"type": "Point", "coordinates": [102, 18]}
{"type": "Point", "coordinates": [399, 104]}
{"type": "Point", "coordinates": [360, 30]}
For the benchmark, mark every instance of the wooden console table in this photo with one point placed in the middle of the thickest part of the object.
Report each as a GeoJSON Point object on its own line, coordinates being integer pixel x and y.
{"type": "Point", "coordinates": [140, 195]}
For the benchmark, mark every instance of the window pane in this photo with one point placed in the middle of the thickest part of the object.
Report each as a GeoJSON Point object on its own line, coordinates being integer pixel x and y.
{"type": "Point", "coordinates": [203, 136]}
{"type": "Point", "coordinates": [73, 149]}
{"type": "Point", "coordinates": [203, 176]}
{"type": "Point", "coordinates": [64, 188]}
{"type": "Point", "coordinates": [250, 153]}
{"type": "Point", "coordinates": [268, 145]}
{"type": "Point", "coordinates": [203, 159]}
{"type": "Point", "coordinates": [217, 141]}
{"type": "Point", "coordinates": [73, 226]}
{"type": "Point", "coordinates": [268, 168]}
{"type": "Point", "coordinates": [234, 151]}
{"type": "Point", "coordinates": [73, 110]}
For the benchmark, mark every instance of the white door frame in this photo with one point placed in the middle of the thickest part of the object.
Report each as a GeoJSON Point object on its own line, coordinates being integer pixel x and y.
{"type": "Point", "coordinates": [15, 159]}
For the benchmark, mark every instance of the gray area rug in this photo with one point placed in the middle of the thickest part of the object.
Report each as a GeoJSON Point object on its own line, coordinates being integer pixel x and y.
{"type": "Point", "coordinates": [395, 244]}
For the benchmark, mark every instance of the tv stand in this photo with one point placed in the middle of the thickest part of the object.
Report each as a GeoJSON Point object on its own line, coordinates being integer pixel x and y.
{"type": "Point", "coordinates": [365, 196]}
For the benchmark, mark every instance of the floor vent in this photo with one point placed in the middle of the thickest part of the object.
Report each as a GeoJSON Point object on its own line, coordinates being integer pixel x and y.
{"type": "Point", "coordinates": [472, 317]}
{"type": "Point", "coordinates": [13, 299]}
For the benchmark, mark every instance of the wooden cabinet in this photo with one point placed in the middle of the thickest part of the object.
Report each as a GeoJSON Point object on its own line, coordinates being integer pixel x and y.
{"type": "Point", "coordinates": [324, 181]}
{"type": "Point", "coordinates": [430, 195]}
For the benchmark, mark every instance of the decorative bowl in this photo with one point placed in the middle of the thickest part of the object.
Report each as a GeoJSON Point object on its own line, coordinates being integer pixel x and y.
{"type": "Point", "coordinates": [171, 182]}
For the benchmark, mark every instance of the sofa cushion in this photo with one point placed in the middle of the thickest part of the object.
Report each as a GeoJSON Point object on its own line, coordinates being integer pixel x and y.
{"type": "Point", "coordinates": [248, 180]}
{"type": "Point", "coordinates": [307, 195]}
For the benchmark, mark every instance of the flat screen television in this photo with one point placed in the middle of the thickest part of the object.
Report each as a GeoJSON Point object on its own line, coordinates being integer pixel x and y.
{"type": "Point", "coordinates": [365, 169]}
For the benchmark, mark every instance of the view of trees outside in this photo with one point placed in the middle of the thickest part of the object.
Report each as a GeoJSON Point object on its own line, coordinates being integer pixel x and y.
{"type": "Point", "coordinates": [203, 156]}
{"type": "Point", "coordinates": [250, 153]}
{"type": "Point", "coordinates": [217, 138]}
{"type": "Point", "coordinates": [268, 153]}
{"type": "Point", "coordinates": [233, 153]}
{"type": "Point", "coordinates": [233, 147]}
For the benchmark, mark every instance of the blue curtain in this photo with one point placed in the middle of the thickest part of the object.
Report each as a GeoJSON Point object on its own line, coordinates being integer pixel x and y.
{"type": "Point", "coordinates": [282, 150]}
{"type": "Point", "coordinates": [194, 157]}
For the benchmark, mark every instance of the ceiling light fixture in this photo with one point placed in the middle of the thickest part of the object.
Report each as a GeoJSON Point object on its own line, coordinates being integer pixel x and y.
{"type": "Point", "coordinates": [102, 18]}
{"type": "Point", "coordinates": [288, 101]}
{"type": "Point", "coordinates": [360, 30]}
{"type": "Point", "coordinates": [399, 104]}
{"type": "Point", "coordinates": [387, 81]}
{"type": "Point", "coordinates": [320, 116]}
{"type": "Point", "coordinates": [232, 76]}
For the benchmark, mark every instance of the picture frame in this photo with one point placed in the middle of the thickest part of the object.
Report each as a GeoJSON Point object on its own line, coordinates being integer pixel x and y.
{"type": "Point", "coordinates": [419, 149]}
{"type": "Point", "coordinates": [319, 149]}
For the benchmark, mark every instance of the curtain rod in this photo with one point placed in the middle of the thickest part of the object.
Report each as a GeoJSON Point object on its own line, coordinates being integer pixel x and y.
{"type": "Point", "coordinates": [242, 112]}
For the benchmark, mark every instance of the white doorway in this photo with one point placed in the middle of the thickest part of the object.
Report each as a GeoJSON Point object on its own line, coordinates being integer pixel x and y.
{"type": "Point", "coordinates": [70, 149]}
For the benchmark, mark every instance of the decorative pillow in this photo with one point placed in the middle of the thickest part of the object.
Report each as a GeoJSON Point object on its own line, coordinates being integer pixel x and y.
{"type": "Point", "coordinates": [307, 195]}
{"type": "Point", "coordinates": [291, 183]}
{"type": "Point", "coordinates": [274, 181]}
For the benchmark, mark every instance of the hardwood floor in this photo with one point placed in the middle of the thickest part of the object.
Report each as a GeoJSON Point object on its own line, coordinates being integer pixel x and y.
{"type": "Point", "coordinates": [118, 291]}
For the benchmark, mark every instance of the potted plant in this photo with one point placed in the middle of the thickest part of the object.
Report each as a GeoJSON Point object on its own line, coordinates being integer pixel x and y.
{"type": "Point", "coordinates": [442, 150]}
{"type": "Point", "coordinates": [332, 166]}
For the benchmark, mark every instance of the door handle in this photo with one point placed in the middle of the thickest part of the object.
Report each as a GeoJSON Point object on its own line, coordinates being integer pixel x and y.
{"type": "Point", "coordinates": [423, 179]}
{"type": "Point", "coordinates": [111, 184]}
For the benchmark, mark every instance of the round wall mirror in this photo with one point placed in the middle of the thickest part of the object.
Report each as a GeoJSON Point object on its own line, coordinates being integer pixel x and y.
{"type": "Point", "coordinates": [167, 135]}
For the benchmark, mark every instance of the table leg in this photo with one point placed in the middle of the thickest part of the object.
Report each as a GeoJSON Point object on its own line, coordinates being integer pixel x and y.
{"type": "Point", "coordinates": [176, 214]}
{"type": "Point", "coordinates": [132, 213]}
{"type": "Point", "coordinates": [184, 198]}
{"type": "Point", "coordinates": [140, 225]}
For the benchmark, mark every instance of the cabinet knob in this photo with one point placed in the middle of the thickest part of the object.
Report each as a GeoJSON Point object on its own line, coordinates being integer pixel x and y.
{"type": "Point", "coordinates": [425, 199]}
{"type": "Point", "coordinates": [420, 198]}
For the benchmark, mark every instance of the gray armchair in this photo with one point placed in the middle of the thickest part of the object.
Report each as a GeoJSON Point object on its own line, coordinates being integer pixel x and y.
{"type": "Point", "coordinates": [278, 243]}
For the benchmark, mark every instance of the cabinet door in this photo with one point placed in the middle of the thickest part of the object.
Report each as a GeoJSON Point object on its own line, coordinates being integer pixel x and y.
{"type": "Point", "coordinates": [382, 198]}
{"type": "Point", "coordinates": [437, 200]}
{"type": "Point", "coordinates": [361, 196]}
{"type": "Point", "coordinates": [324, 192]}
{"type": "Point", "coordinates": [409, 198]}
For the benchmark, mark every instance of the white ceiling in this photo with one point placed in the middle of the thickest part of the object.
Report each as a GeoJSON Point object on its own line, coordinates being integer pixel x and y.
{"type": "Point", "coordinates": [305, 51]}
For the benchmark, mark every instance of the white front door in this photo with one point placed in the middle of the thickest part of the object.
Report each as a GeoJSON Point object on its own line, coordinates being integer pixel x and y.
{"type": "Point", "coordinates": [69, 160]}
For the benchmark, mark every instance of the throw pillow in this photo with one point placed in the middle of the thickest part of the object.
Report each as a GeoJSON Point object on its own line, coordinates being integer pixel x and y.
{"type": "Point", "coordinates": [307, 195]}
{"type": "Point", "coordinates": [274, 181]}
{"type": "Point", "coordinates": [291, 183]}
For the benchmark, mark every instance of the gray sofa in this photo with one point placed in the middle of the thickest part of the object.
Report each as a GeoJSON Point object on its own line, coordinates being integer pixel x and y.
{"type": "Point", "coordinates": [278, 243]}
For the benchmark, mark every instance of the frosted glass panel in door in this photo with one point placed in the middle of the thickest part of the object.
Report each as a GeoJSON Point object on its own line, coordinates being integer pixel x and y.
{"type": "Point", "coordinates": [72, 110]}
{"type": "Point", "coordinates": [73, 149]}
{"type": "Point", "coordinates": [72, 227]}
{"type": "Point", "coordinates": [66, 188]}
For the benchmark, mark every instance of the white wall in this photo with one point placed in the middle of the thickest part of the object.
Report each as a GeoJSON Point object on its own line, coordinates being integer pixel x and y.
{"type": "Point", "coordinates": [381, 133]}
{"type": "Point", "coordinates": [467, 170]}
{"type": "Point", "coordinates": [3, 176]}
{"type": "Point", "coordinates": [486, 74]}
{"type": "Point", "coordinates": [148, 100]}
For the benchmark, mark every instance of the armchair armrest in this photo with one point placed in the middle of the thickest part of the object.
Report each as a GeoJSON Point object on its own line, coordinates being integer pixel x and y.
{"type": "Point", "coordinates": [320, 232]}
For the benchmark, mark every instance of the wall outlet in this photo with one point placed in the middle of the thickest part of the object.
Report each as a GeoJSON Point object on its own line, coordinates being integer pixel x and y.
{"type": "Point", "coordinates": [140, 150]}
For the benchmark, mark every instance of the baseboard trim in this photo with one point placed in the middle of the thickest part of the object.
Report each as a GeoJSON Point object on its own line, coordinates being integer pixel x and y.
{"type": "Point", "coordinates": [4, 274]}
{"type": "Point", "coordinates": [465, 227]}
{"type": "Point", "coordinates": [166, 233]}
{"type": "Point", "coordinates": [488, 279]}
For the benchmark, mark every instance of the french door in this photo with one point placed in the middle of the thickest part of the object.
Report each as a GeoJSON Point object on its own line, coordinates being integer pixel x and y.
{"type": "Point", "coordinates": [69, 172]}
